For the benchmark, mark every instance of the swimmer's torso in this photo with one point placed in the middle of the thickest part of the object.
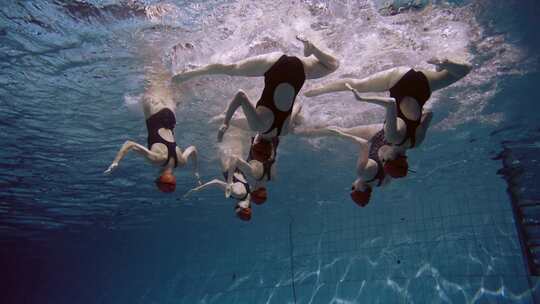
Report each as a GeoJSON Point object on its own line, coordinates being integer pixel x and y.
{"type": "Point", "coordinates": [160, 128]}
{"type": "Point", "coordinates": [411, 92]}
{"type": "Point", "coordinates": [282, 83]}
{"type": "Point", "coordinates": [240, 186]}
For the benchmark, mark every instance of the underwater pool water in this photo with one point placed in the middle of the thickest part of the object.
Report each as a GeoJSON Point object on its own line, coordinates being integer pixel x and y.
{"type": "Point", "coordinates": [72, 75]}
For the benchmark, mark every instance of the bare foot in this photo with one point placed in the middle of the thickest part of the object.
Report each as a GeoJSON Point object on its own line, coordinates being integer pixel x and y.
{"type": "Point", "coordinates": [438, 63]}
{"type": "Point", "coordinates": [308, 46]}
{"type": "Point", "coordinates": [185, 74]}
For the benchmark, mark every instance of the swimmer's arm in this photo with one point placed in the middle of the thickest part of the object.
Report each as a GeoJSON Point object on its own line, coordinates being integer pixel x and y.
{"type": "Point", "coordinates": [363, 154]}
{"type": "Point", "coordinates": [341, 133]}
{"type": "Point", "coordinates": [427, 116]}
{"type": "Point", "coordinates": [388, 103]}
{"type": "Point", "coordinates": [216, 183]}
{"type": "Point", "coordinates": [190, 153]}
{"type": "Point", "coordinates": [140, 149]}
{"type": "Point", "coordinates": [381, 101]}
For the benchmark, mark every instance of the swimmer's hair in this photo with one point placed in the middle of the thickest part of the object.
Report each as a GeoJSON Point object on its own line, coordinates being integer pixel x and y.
{"type": "Point", "coordinates": [166, 183]}
{"type": "Point", "coordinates": [259, 195]}
{"type": "Point", "coordinates": [243, 213]}
{"type": "Point", "coordinates": [262, 151]}
{"type": "Point", "coordinates": [397, 168]}
{"type": "Point", "coordinates": [361, 198]}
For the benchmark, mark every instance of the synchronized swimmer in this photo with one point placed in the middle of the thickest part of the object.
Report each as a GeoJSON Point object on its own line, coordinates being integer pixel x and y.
{"type": "Point", "coordinates": [275, 111]}
{"type": "Point", "coordinates": [382, 147]}
{"type": "Point", "coordinates": [241, 182]}
{"type": "Point", "coordinates": [382, 154]}
{"type": "Point", "coordinates": [162, 151]}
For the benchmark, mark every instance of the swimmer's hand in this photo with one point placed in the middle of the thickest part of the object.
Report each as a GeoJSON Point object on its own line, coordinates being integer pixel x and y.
{"type": "Point", "coordinates": [198, 177]}
{"type": "Point", "coordinates": [221, 132]}
{"type": "Point", "coordinates": [111, 168]}
{"type": "Point", "coordinates": [308, 46]}
{"type": "Point", "coordinates": [228, 190]}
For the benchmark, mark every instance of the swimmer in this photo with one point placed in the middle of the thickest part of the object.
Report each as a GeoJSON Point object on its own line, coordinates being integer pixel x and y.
{"type": "Point", "coordinates": [284, 76]}
{"type": "Point", "coordinates": [162, 151]}
{"type": "Point", "coordinates": [410, 88]}
{"type": "Point", "coordinates": [262, 151]}
{"type": "Point", "coordinates": [242, 179]}
{"type": "Point", "coordinates": [378, 160]}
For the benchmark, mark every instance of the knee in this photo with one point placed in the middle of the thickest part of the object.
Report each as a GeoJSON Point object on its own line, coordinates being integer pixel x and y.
{"type": "Point", "coordinates": [241, 95]}
{"type": "Point", "coordinates": [333, 65]}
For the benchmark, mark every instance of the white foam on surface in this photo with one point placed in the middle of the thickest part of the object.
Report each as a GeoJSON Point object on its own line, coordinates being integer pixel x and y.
{"type": "Point", "coordinates": [365, 42]}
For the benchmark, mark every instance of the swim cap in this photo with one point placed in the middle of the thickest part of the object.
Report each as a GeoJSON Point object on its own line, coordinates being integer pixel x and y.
{"type": "Point", "coordinates": [261, 151]}
{"type": "Point", "coordinates": [243, 213]}
{"type": "Point", "coordinates": [397, 168]}
{"type": "Point", "coordinates": [166, 182]}
{"type": "Point", "coordinates": [361, 198]}
{"type": "Point", "coordinates": [259, 196]}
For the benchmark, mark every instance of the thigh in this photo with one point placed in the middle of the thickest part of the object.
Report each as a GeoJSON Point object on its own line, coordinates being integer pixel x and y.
{"type": "Point", "coordinates": [380, 81]}
{"type": "Point", "coordinates": [259, 119]}
{"type": "Point", "coordinates": [365, 132]}
{"type": "Point", "coordinates": [255, 66]}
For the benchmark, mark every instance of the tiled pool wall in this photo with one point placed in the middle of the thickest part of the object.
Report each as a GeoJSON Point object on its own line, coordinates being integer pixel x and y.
{"type": "Point", "coordinates": [447, 234]}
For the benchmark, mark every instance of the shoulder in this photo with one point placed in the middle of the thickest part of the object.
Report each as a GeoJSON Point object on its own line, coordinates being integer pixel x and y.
{"type": "Point", "coordinates": [370, 170]}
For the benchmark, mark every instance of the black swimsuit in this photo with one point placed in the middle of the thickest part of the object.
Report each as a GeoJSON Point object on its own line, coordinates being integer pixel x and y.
{"type": "Point", "coordinates": [267, 165]}
{"type": "Point", "coordinates": [376, 142]}
{"type": "Point", "coordinates": [237, 180]}
{"type": "Point", "coordinates": [163, 119]}
{"type": "Point", "coordinates": [286, 70]}
{"type": "Point", "coordinates": [416, 85]}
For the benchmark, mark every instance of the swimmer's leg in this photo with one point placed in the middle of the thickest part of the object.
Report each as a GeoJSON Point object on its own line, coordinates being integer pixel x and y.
{"type": "Point", "coordinates": [378, 82]}
{"type": "Point", "coordinates": [324, 63]}
{"type": "Point", "coordinates": [240, 122]}
{"type": "Point", "coordinates": [447, 72]}
{"type": "Point", "coordinates": [251, 67]}
{"type": "Point", "coordinates": [253, 120]}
